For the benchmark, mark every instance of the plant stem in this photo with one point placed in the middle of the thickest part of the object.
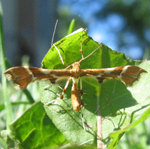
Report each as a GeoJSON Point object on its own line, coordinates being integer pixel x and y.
{"type": "Point", "coordinates": [4, 83]}
{"type": "Point", "coordinates": [99, 123]}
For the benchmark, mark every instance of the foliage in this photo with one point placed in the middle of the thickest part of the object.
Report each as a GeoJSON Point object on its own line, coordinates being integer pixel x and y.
{"type": "Point", "coordinates": [113, 95]}
{"type": "Point", "coordinates": [35, 130]}
{"type": "Point", "coordinates": [121, 108]}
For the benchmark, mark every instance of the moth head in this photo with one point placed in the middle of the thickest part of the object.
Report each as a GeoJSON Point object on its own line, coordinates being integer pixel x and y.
{"type": "Point", "coordinates": [76, 64]}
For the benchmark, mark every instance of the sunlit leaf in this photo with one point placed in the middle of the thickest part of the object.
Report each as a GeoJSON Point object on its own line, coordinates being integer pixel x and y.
{"type": "Point", "coordinates": [116, 101]}
{"type": "Point", "coordinates": [34, 129]}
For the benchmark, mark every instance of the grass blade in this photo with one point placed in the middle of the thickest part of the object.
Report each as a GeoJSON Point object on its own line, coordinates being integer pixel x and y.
{"type": "Point", "coordinates": [4, 83]}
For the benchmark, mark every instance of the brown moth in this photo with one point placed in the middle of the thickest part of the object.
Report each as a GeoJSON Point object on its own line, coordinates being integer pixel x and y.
{"type": "Point", "coordinates": [22, 76]}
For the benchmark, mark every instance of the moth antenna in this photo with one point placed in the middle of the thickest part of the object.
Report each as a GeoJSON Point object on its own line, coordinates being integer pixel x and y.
{"type": "Point", "coordinates": [54, 32]}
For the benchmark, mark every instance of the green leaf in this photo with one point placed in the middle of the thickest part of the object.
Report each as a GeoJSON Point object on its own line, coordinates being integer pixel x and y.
{"type": "Point", "coordinates": [70, 47]}
{"type": "Point", "coordinates": [35, 130]}
{"type": "Point", "coordinates": [112, 96]}
{"type": "Point", "coordinates": [71, 27]}
{"type": "Point", "coordinates": [3, 143]}
{"type": "Point", "coordinates": [140, 112]}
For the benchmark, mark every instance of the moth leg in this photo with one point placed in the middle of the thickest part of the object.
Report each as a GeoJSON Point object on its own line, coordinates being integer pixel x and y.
{"type": "Point", "coordinates": [83, 120]}
{"type": "Point", "coordinates": [61, 58]}
{"type": "Point", "coordinates": [48, 88]}
{"type": "Point", "coordinates": [83, 58]}
{"type": "Point", "coordinates": [64, 89]}
{"type": "Point", "coordinates": [52, 101]}
{"type": "Point", "coordinates": [81, 93]}
{"type": "Point", "coordinates": [81, 51]}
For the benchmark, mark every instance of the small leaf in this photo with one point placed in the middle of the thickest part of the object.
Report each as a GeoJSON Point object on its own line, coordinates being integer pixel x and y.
{"type": "Point", "coordinates": [71, 27]}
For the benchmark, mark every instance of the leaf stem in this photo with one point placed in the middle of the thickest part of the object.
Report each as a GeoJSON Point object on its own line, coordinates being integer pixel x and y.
{"type": "Point", "coordinates": [99, 123]}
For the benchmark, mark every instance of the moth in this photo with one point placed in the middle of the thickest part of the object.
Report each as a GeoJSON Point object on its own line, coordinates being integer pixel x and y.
{"type": "Point", "coordinates": [22, 76]}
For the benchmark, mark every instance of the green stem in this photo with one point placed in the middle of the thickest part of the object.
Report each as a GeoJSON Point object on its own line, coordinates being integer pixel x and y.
{"type": "Point", "coordinates": [4, 83]}
{"type": "Point", "coordinates": [28, 95]}
{"type": "Point", "coordinates": [71, 27]}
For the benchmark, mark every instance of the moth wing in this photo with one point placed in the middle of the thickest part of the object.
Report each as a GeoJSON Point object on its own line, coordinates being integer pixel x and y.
{"type": "Point", "coordinates": [22, 76]}
{"type": "Point", "coordinates": [127, 74]}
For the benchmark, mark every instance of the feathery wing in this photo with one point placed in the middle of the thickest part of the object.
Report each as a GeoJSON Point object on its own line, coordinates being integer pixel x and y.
{"type": "Point", "coordinates": [22, 76]}
{"type": "Point", "coordinates": [128, 74]}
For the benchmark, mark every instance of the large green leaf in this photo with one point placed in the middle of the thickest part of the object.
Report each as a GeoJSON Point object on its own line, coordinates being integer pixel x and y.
{"type": "Point", "coordinates": [116, 101]}
{"type": "Point", "coordinates": [136, 114]}
{"type": "Point", "coordinates": [35, 130]}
